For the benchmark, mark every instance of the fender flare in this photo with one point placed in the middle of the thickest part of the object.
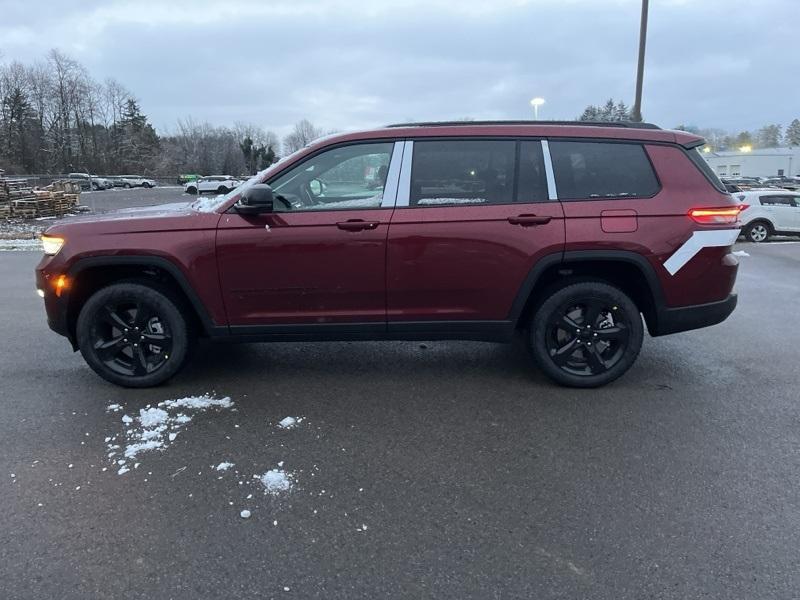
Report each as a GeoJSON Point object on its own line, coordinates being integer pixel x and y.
{"type": "Point", "coordinates": [160, 262]}
{"type": "Point", "coordinates": [574, 256]}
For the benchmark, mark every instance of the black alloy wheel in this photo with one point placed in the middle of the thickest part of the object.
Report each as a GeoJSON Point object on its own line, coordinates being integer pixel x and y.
{"type": "Point", "coordinates": [132, 334]}
{"type": "Point", "coordinates": [586, 334]}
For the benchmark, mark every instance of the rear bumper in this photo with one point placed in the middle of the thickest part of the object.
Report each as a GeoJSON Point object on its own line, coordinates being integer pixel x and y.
{"type": "Point", "coordinates": [686, 318]}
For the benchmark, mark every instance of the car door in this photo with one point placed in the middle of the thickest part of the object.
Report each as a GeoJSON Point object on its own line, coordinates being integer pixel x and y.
{"type": "Point", "coordinates": [795, 215]}
{"type": "Point", "coordinates": [472, 218]}
{"type": "Point", "coordinates": [319, 259]}
{"type": "Point", "coordinates": [781, 211]}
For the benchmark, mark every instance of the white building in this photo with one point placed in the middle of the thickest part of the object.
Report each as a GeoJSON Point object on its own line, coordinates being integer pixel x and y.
{"type": "Point", "coordinates": [765, 162]}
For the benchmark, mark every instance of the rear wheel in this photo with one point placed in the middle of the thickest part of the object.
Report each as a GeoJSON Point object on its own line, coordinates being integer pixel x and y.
{"type": "Point", "coordinates": [757, 232]}
{"type": "Point", "coordinates": [191, 190]}
{"type": "Point", "coordinates": [222, 190]}
{"type": "Point", "coordinates": [132, 335]}
{"type": "Point", "coordinates": [586, 334]}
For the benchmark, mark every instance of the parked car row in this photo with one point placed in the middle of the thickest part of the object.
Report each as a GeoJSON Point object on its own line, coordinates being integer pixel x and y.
{"type": "Point", "coordinates": [95, 182]}
{"type": "Point", "coordinates": [738, 184]}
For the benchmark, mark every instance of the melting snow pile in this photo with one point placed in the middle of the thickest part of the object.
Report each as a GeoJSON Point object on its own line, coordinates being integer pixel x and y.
{"type": "Point", "coordinates": [290, 422]}
{"type": "Point", "coordinates": [276, 481]}
{"type": "Point", "coordinates": [156, 427]}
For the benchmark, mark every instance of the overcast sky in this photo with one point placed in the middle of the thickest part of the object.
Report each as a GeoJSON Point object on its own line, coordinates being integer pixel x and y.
{"type": "Point", "coordinates": [733, 64]}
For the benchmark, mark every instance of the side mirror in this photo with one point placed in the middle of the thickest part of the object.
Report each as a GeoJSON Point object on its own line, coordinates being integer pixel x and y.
{"type": "Point", "coordinates": [255, 200]}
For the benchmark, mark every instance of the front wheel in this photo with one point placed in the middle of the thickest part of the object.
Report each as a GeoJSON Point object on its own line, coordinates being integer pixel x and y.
{"type": "Point", "coordinates": [586, 334]}
{"type": "Point", "coordinates": [132, 335]}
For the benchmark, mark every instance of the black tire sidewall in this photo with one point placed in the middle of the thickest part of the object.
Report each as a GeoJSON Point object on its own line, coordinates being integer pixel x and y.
{"type": "Point", "coordinates": [575, 292]}
{"type": "Point", "coordinates": [167, 309]}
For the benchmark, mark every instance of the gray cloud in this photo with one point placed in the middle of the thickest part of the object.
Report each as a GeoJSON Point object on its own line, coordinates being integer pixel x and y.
{"type": "Point", "coordinates": [342, 64]}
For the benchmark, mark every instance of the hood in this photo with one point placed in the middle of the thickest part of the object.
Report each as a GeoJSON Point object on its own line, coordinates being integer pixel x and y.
{"type": "Point", "coordinates": [164, 217]}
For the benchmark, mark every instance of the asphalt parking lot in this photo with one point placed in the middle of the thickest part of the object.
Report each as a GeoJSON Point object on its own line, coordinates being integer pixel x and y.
{"type": "Point", "coordinates": [436, 470]}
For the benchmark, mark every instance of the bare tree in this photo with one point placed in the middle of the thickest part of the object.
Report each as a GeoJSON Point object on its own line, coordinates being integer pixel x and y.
{"type": "Point", "coordinates": [303, 134]}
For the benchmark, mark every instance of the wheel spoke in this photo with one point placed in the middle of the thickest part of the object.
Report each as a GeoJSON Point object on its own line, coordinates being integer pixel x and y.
{"type": "Point", "coordinates": [155, 337]}
{"type": "Point", "coordinates": [140, 363]}
{"type": "Point", "coordinates": [618, 333]}
{"type": "Point", "coordinates": [115, 319]}
{"type": "Point", "coordinates": [591, 313]}
{"type": "Point", "coordinates": [108, 349]}
{"type": "Point", "coordinates": [563, 354]}
{"type": "Point", "coordinates": [143, 314]}
{"type": "Point", "coordinates": [596, 363]}
{"type": "Point", "coordinates": [568, 324]}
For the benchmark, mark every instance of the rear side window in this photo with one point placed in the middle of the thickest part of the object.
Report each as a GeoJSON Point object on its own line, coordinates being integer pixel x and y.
{"type": "Point", "coordinates": [777, 201]}
{"type": "Point", "coordinates": [705, 169]}
{"type": "Point", "coordinates": [600, 170]}
{"type": "Point", "coordinates": [462, 172]}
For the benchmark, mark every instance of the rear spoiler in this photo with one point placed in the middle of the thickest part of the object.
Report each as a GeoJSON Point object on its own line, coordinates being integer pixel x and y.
{"type": "Point", "coordinates": [695, 143]}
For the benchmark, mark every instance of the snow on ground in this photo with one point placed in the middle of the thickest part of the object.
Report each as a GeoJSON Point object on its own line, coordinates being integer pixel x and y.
{"type": "Point", "coordinates": [224, 466]}
{"type": "Point", "coordinates": [18, 245]}
{"type": "Point", "coordinates": [740, 253]}
{"type": "Point", "coordinates": [276, 481]}
{"type": "Point", "coordinates": [156, 427]}
{"type": "Point", "coordinates": [289, 422]}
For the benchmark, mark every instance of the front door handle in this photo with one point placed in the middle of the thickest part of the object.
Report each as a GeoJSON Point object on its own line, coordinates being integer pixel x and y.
{"type": "Point", "coordinates": [357, 225]}
{"type": "Point", "coordinates": [528, 220]}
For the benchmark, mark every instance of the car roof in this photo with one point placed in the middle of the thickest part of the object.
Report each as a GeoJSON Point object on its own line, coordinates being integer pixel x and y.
{"type": "Point", "coordinates": [645, 132]}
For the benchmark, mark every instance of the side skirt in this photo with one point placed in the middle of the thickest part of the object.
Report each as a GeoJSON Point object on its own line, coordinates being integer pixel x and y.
{"type": "Point", "coordinates": [478, 331]}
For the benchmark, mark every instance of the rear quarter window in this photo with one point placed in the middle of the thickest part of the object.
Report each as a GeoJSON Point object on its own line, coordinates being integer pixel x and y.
{"type": "Point", "coordinates": [602, 170]}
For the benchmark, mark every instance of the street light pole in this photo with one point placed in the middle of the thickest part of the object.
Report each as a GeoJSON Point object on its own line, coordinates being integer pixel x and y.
{"type": "Point", "coordinates": [536, 103]}
{"type": "Point", "coordinates": [636, 112]}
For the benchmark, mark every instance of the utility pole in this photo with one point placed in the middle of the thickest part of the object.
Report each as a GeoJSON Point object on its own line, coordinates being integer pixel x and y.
{"type": "Point", "coordinates": [636, 112]}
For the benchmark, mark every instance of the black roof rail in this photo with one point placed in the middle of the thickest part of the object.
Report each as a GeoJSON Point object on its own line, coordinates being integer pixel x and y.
{"type": "Point", "coordinates": [628, 124]}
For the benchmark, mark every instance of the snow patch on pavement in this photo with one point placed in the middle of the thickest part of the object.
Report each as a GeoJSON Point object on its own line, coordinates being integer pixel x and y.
{"type": "Point", "coordinates": [740, 253]}
{"type": "Point", "coordinates": [276, 481]}
{"type": "Point", "coordinates": [156, 427]}
{"type": "Point", "coordinates": [224, 466]}
{"type": "Point", "coordinates": [31, 245]}
{"type": "Point", "coordinates": [289, 422]}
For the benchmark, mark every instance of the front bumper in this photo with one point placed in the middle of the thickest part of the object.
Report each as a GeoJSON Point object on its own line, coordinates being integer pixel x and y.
{"type": "Point", "coordinates": [686, 318]}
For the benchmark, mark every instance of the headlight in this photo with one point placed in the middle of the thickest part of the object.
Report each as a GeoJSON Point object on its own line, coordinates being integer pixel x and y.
{"type": "Point", "coordinates": [52, 244]}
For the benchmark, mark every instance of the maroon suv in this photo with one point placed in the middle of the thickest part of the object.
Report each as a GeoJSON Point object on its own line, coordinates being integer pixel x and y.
{"type": "Point", "coordinates": [567, 232]}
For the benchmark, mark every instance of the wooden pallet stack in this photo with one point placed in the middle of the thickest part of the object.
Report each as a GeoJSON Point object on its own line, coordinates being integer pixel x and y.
{"type": "Point", "coordinates": [19, 199]}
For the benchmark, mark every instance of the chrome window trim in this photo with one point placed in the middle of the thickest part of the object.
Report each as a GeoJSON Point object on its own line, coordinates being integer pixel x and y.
{"type": "Point", "coordinates": [552, 192]}
{"type": "Point", "coordinates": [404, 184]}
{"type": "Point", "coordinates": [392, 176]}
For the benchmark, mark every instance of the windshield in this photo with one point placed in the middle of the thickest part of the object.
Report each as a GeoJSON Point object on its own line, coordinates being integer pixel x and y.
{"type": "Point", "coordinates": [212, 204]}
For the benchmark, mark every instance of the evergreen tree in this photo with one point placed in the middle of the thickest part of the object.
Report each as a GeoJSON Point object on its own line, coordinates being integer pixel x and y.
{"type": "Point", "coordinates": [610, 111]}
{"type": "Point", "coordinates": [792, 137]}
{"type": "Point", "coordinates": [769, 136]}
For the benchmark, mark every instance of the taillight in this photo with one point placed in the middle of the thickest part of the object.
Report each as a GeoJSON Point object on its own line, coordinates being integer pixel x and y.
{"type": "Point", "coordinates": [716, 216]}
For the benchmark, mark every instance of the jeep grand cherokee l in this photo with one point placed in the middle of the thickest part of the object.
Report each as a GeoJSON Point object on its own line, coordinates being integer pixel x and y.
{"type": "Point", "coordinates": [570, 233]}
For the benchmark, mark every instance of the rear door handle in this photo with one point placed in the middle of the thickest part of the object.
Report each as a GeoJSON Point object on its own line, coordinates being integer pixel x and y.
{"type": "Point", "coordinates": [528, 220]}
{"type": "Point", "coordinates": [357, 225]}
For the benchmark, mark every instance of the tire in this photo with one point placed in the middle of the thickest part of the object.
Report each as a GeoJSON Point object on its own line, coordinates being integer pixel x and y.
{"type": "Point", "coordinates": [191, 190]}
{"type": "Point", "coordinates": [146, 186]}
{"type": "Point", "coordinates": [586, 334]}
{"type": "Point", "coordinates": [222, 190]}
{"type": "Point", "coordinates": [116, 350]}
{"type": "Point", "coordinates": [758, 232]}
{"type": "Point", "coordinates": [126, 185]}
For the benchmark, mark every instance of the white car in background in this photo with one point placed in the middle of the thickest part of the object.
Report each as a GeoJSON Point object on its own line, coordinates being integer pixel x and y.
{"type": "Point", "coordinates": [768, 213]}
{"type": "Point", "coordinates": [130, 181]}
{"type": "Point", "coordinates": [217, 184]}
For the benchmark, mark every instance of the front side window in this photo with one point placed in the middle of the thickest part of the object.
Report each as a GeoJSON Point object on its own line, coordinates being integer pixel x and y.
{"type": "Point", "coordinates": [346, 177]}
{"type": "Point", "coordinates": [602, 170]}
{"type": "Point", "coordinates": [462, 172]}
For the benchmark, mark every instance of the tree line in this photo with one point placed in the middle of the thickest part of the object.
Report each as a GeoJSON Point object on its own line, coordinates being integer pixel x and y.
{"type": "Point", "coordinates": [55, 118]}
{"type": "Point", "coordinates": [768, 136]}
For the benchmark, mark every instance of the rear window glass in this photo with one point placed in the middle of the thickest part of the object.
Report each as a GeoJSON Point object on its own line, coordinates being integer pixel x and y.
{"type": "Point", "coordinates": [704, 167]}
{"type": "Point", "coordinates": [599, 170]}
{"type": "Point", "coordinates": [462, 172]}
